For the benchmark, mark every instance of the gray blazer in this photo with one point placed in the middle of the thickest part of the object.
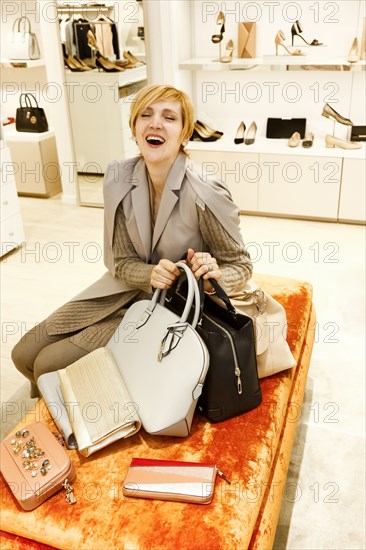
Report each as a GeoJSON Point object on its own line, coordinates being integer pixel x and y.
{"type": "Point", "coordinates": [176, 228]}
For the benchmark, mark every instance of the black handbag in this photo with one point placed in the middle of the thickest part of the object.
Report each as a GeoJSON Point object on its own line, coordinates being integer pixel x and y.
{"type": "Point", "coordinates": [358, 133]}
{"type": "Point", "coordinates": [284, 127]}
{"type": "Point", "coordinates": [30, 118]}
{"type": "Point", "coordinates": [231, 386]}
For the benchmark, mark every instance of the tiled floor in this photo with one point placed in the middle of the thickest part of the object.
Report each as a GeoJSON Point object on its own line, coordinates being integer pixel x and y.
{"type": "Point", "coordinates": [324, 498]}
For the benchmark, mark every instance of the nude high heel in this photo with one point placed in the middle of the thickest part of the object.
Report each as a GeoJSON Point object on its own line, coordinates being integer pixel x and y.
{"type": "Point", "coordinates": [354, 53]}
{"type": "Point", "coordinates": [228, 55]}
{"type": "Point", "coordinates": [279, 38]}
{"type": "Point", "coordinates": [101, 62]}
{"type": "Point", "coordinates": [251, 133]}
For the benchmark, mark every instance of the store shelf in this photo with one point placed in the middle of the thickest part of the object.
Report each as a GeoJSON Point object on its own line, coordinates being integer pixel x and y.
{"type": "Point", "coordinates": [129, 76]}
{"type": "Point", "coordinates": [271, 61]}
{"type": "Point", "coordinates": [22, 64]}
{"type": "Point", "coordinates": [276, 146]}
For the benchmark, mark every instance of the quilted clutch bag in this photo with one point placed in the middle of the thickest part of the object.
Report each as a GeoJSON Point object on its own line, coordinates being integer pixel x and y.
{"type": "Point", "coordinates": [171, 480]}
{"type": "Point", "coordinates": [35, 466]}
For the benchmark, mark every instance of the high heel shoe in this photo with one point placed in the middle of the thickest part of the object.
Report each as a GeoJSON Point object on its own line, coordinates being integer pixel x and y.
{"type": "Point", "coordinates": [202, 132]}
{"type": "Point", "coordinates": [239, 136]}
{"type": "Point", "coordinates": [206, 130]}
{"type": "Point", "coordinates": [332, 141]}
{"type": "Point", "coordinates": [74, 65]}
{"type": "Point", "coordinates": [279, 38]}
{"type": "Point", "coordinates": [297, 29]}
{"type": "Point", "coordinates": [329, 112]}
{"type": "Point", "coordinates": [228, 55]}
{"type": "Point", "coordinates": [101, 62]}
{"type": "Point", "coordinates": [250, 136]}
{"type": "Point", "coordinates": [220, 28]}
{"type": "Point", "coordinates": [354, 53]}
{"type": "Point", "coordinates": [87, 66]}
{"type": "Point", "coordinates": [133, 61]}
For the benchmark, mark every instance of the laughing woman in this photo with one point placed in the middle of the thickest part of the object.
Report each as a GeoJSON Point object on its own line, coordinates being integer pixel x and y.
{"type": "Point", "coordinates": [157, 209]}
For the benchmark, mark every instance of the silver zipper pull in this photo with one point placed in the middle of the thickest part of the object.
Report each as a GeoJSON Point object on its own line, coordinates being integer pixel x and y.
{"type": "Point", "coordinates": [238, 380]}
{"type": "Point", "coordinates": [70, 497]}
{"type": "Point", "coordinates": [219, 472]}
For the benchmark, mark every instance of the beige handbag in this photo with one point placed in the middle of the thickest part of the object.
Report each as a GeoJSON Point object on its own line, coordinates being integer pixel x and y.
{"type": "Point", "coordinates": [270, 328]}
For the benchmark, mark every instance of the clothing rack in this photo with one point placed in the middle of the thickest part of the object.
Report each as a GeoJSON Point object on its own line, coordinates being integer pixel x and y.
{"type": "Point", "coordinates": [83, 8]}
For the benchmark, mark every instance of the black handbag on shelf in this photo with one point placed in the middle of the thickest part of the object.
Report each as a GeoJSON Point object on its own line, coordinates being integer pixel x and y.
{"type": "Point", "coordinates": [283, 128]}
{"type": "Point", "coordinates": [30, 118]}
{"type": "Point", "coordinates": [358, 133]}
{"type": "Point", "coordinates": [231, 386]}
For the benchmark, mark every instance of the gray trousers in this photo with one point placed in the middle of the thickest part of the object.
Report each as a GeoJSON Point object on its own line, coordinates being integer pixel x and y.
{"type": "Point", "coordinates": [37, 353]}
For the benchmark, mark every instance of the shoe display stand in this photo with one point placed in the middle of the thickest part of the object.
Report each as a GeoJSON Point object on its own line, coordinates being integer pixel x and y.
{"type": "Point", "coordinates": [269, 177]}
{"type": "Point", "coordinates": [11, 225]}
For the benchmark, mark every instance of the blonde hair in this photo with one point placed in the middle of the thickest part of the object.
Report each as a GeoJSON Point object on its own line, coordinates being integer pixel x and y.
{"type": "Point", "coordinates": [160, 92]}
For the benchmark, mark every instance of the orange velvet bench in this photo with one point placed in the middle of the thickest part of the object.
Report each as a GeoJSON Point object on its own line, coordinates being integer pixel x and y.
{"type": "Point", "coordinates": [253, 450]}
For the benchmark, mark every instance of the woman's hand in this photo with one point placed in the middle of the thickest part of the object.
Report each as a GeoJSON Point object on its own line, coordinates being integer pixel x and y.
{"type": "Point", "coordinates": [164, 274]}
{"type": "Point", "coordinates": [204, 265]}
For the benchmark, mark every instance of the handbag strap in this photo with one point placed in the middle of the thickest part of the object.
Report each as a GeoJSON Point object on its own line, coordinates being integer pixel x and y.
{"type": "Point", "coordinates": [19, 21]}
{"type": "Point", "coordinates": [27, 100]}
{"type": "Point", "coordinates": [220, 292]}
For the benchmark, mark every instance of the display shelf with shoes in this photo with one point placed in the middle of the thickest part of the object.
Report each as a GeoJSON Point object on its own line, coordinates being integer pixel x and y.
{"type": "Point", "coordinates": [277, 146]}
{"type": "Point", "coordinates": [273, 62]}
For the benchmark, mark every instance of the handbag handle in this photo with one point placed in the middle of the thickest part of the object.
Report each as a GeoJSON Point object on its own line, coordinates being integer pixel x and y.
{"type": "Point", "coordinates": [19, 20]}
{"type": "Point", "coordinates": [28, 100]}
{"type": "Point", "coordinates": [220, 294]}
{"type": "Point", "coordinates": [192, 295]}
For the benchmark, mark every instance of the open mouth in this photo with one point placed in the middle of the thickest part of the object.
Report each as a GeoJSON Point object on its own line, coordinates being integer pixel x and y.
{"type": "Point", "coordinates": [155, 140]}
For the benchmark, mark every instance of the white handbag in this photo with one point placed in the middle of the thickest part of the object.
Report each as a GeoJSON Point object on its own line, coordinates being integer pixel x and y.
{"type": "Point", "coordinates": [270, 328]}
{"type": "Point", "coordinates": [21, 42]}
{"type": "Point", "coordinates": [163, 361]}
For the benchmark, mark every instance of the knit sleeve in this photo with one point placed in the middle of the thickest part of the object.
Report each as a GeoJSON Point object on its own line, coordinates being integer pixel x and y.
{"type": "Point", "coordinates": [232, 257]}
{"type": "Point", "coordinates": [128, 265]}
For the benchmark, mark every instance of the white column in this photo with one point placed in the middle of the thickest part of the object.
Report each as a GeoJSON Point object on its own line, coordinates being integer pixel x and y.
{"type": "Point", "coordinates": [53, 56]}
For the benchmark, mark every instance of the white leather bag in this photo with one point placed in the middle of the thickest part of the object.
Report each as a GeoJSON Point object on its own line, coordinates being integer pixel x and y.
{"type": "Point", "coordinates": [163, 361]}
{"type": "Point", "coordinates": [270, 328]}
{"type": "Point", "coordinates": [22, 43]}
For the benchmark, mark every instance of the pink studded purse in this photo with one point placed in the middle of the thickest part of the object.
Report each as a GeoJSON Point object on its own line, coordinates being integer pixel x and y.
{"type": "Point", "coordinates": [35, 466]}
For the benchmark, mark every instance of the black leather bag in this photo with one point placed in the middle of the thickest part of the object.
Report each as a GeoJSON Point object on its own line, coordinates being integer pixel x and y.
{"type": "Point", "coordinates": [231, 386]}
{"type": "Point", "coordinates": [30, 118]}
{"type": "Point", "coordinates": [358, 133]}
{"type": "Point", "coordinates": [281, 128]}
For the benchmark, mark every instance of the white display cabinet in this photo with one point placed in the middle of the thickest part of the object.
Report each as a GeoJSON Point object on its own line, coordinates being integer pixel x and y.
{"type": "Point", "coordinates": [352, 205]}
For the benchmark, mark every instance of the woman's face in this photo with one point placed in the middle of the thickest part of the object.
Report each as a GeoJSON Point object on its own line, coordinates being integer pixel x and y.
{"type": "Point", "coordinates": [158, 131]}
